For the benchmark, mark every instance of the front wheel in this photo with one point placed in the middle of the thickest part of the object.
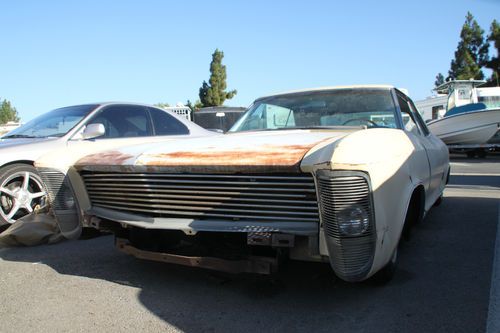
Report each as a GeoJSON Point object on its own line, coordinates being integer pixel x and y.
{"type": "Point", "coordinates": [471, 154]}
{"type": "Point", "coordinates": [438, 201]}
{"type": "Point", "coordinates": [21, 190]}
{"type": "Point", "coordinates": [387, 272]}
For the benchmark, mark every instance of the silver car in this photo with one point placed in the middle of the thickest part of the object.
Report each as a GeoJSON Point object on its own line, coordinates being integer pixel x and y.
{"type": "Point", "coordinates": [22, 189]}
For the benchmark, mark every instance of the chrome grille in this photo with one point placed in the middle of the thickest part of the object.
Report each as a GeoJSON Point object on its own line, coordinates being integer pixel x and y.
{"type": "Point", "coordinates": [280, 197]}
{"type": "Point", "coordinates": [350, 256]}
{"type": "Point", "coordinates": [56, 188]}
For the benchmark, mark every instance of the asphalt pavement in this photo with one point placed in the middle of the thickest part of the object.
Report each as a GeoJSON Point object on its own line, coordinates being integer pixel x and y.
{"type": "Point", "coordinates": [443, 282]}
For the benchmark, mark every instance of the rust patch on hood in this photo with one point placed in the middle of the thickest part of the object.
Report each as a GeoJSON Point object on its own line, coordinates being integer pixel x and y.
{"type": "Point", "coordinates": [105, 158]}
{"type": "Point", "coordinates": [270, 157]}
{"type": "Point", "coordinates": [266, 155]}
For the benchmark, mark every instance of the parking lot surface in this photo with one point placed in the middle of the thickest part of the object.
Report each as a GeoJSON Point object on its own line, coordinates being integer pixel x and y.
{"type": "Point", "coordinates": [443, 282]}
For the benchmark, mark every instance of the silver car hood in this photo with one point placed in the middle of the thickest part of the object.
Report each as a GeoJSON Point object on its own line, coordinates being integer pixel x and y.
{"type": "Point", "coordinates": [25, 149]}
{"type": "Point", "coordinates": [5, 143]}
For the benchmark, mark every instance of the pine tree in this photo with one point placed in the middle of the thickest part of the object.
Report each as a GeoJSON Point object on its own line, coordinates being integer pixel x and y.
{"type": "Point", "coordinates": [162, 105]}
{"type": "Point", "coordinates": [214, 93]}
{"type": "Point", "coordinates": [494, 63]}
{"type": "Point", "coordinates": [439, 80]}
{"type": "Point", "coordinates": [7, 112]}
{"type": "Point", "coordinates": [204, 93]}
{"type": "Point", "coordinates": [471, 53]}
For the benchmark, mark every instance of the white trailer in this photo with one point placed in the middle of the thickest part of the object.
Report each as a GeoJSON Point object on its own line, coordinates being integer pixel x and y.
{"type": "Point", "coordinates": [181, 110]}
{"type": "Point", "coordinates": [433, 107]}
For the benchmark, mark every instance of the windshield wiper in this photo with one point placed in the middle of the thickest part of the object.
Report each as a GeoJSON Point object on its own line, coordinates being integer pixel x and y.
{"type": "Point", "coordinates": [20, 136]}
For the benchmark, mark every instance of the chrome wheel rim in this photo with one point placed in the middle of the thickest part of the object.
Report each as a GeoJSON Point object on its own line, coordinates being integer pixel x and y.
{"type": "Point", "coordinates": [20, 193]}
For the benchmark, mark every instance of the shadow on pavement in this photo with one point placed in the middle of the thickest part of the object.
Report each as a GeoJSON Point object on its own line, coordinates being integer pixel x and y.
{"type": "Point", "coordinates": [442, 283]}
{"type": "Point", "coordinates": [491, 157]}
{"type": "Point", "coordinates": [492, 181]}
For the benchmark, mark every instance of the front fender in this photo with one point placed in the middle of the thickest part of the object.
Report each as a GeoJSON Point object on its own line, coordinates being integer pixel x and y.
{"type": "Point", "coordinates": [390, 159]}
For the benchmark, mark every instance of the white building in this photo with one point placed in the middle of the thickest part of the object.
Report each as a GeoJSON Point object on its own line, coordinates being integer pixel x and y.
{"type": "Point", "coordinates": [181, 110]}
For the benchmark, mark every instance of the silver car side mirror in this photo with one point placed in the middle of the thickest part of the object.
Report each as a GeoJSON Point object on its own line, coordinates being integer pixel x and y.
{"type": "Point", "coordinates": [92, 131]}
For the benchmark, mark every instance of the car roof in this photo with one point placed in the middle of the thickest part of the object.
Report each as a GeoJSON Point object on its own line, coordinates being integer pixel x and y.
{"type": "Point", "coordinates": [100, 104]}
{"type": "Point", "coordinates": [126, 103]}
{"type": "Point", "coordinates": [327, 88]}
{"type": "Point", "coordinates": [190, 124]}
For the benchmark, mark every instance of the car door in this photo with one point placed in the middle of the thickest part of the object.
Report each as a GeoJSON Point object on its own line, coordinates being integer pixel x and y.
{"type": "Point", "coordinates": [437, 153]}
{"type": "Point", "coordinates": [132, 124]}
{"type": "Point", "coordinates": [166, 124]}
{"type": "Point", "coordinates": [124, 121]}
{"type": "Point", "coordinates": [124, 125]}
{"type": "Point", "coordinates": [423, 139]}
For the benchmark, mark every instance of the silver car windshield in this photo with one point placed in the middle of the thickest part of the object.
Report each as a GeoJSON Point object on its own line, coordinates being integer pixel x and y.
{"type": "Point", "coordinates": [55, 123]}
{"type": "Point", "coordinates": [321, 109]}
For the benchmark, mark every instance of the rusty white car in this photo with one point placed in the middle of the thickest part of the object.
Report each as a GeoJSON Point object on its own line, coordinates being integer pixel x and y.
{"type": "Point", "coordinates": [333, 175]}
{"type": "Point", "coordinates": [71, 129]}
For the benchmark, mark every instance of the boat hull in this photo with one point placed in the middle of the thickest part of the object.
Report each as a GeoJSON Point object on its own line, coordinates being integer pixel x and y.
{"type": "Point", "coordinates": [467, 128]}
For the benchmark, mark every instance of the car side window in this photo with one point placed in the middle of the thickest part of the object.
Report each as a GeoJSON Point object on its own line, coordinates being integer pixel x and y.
{"type": "Point", "coordinates": [408, 118]}
{"type": "Point", "coordinates": [165, 124]}
{"type": "Point", "coordinates": [124, 121]}
{"type": "Point", "coordinates": [420, 122]}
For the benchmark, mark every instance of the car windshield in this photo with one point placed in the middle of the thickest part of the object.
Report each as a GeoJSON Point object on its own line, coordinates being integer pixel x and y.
{"type": "Point", "coordinates": [55, 123]}
{"type": "Point", "coordinates": [321, 109]}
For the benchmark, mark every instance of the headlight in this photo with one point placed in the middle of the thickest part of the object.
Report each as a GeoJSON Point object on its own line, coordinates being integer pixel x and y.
{"type": "Point", "coordinates": [353, 221]}
{"type": "Point", "coordinates": [59, 191]}
{"type": "Point", "coordinates": [348, 220]}
{"type": "Point", "coordinates": [69, 200]}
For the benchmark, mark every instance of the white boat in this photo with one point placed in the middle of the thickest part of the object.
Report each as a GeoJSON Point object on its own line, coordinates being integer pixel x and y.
{"type": "Point", "coordinates": [468, 128]}
{"type": "Point", "coordinates": [472, 116]}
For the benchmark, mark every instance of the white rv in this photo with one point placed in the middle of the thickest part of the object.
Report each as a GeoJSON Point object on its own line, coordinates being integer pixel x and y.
{"type": "Point", "coordinates": [433, 107]}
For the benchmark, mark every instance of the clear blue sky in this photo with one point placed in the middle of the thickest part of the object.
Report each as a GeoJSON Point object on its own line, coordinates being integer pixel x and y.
{"type": "Point", "coordinates": [59, 53]}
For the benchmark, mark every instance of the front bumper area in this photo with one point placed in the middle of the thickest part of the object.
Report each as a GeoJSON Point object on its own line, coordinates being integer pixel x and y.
{"type": "Point", "coordinates": [192, 226]}
{"type": "Point", "coordinates": [335, 223]}
{"type": "Point", "coordinates": [253, 264]}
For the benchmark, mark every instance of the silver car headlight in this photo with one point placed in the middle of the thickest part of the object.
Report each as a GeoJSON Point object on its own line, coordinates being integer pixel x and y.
{"type": "Point", "coordinates": [68, 198]}
{"type": "Point", "coordinates": [59, 191]}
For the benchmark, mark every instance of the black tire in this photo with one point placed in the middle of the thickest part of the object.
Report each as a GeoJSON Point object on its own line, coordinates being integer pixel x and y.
{"type": "Point", "coordinates": [481, 153]}
{"type": "Point", "coordinates": [15, 200]}
{"type": "Point", "coordinates": [438, 201]}
{"type": "Point", "coordinates": [471, 154]}
{"type": "Point", "coordinates": [89, 233]}
{"type": "Point", "coordinates": [414, 215]}
{"type": "Point", "coordinates": [387, 272]}
{"type": "Point", "coordinates": [410, 221]}
{"type": "Point", "coordinates": [4, 227]}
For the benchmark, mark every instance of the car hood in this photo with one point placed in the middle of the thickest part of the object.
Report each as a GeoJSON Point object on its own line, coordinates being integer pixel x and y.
{"type": "Point", "coordinates": [7, 143]}
{"type": "Point", "coordinates": [254, 152]}
{"type": "Point", "coordinates": [25, 149]}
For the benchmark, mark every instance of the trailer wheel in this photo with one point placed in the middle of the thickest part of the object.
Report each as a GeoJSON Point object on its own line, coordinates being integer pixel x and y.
{"type": "Point", "coordinates": [481, 153]}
